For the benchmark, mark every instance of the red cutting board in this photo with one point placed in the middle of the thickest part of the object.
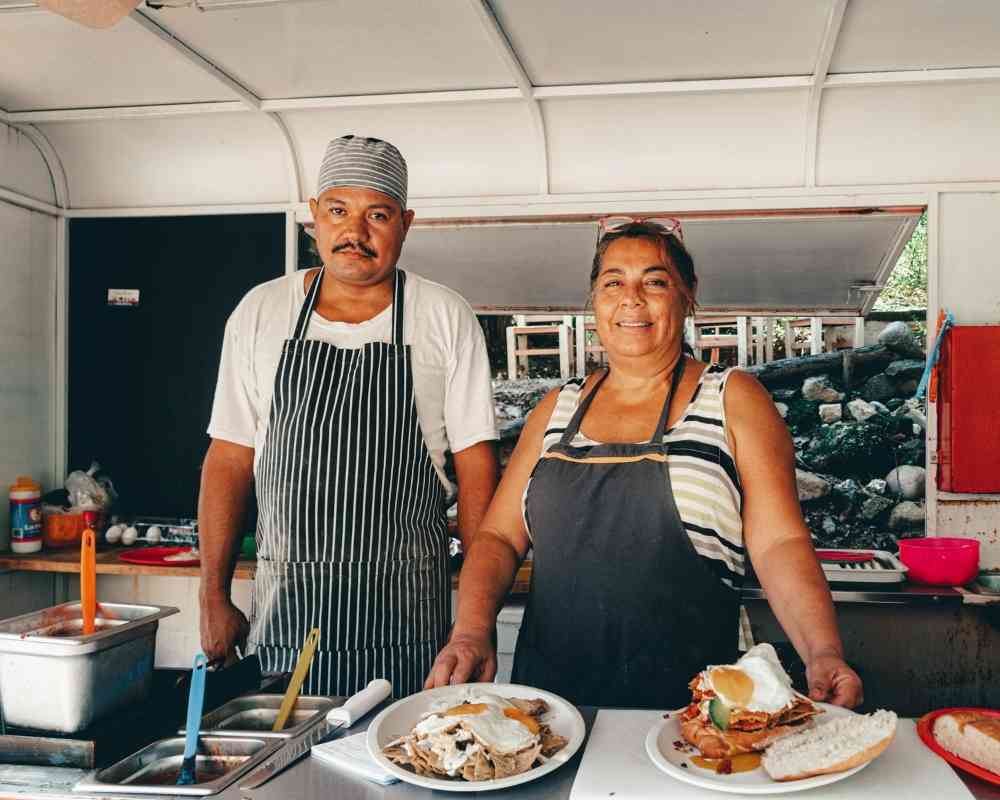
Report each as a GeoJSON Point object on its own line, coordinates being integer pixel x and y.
{"type": "Point", "coordinates": [156, 556]}
{"type": "Point", "coordinates": [925, 730]}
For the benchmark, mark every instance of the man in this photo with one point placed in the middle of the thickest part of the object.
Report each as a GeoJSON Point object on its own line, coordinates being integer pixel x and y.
{"type": "Point", "coordinates": [339, 391]}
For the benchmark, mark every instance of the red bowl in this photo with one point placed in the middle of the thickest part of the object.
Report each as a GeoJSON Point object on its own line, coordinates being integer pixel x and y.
{"type": "Point", "coordinates": [940, 560]}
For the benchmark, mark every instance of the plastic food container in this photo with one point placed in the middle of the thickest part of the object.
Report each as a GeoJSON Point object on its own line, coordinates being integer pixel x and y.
{"type": "Point", "coordinates": [989, 580]}
{"type": "Point", "coordinates": [25, 516]}
{"type": "Point", "coordinates": [940, 560]}
{"type": "Point", "coordinates": [62, 530]}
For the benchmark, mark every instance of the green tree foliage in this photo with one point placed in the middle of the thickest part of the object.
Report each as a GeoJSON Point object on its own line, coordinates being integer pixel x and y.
{"type": "Point", "coordinates": [907, 285]}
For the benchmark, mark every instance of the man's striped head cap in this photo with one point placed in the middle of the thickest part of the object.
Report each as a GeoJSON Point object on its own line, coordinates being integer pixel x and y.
{"type": "Point", "coordinates": [366, 162]}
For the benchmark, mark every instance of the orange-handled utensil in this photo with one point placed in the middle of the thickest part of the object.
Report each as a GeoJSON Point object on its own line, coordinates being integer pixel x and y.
{"type": "Point", "coordinates": [88, 580]}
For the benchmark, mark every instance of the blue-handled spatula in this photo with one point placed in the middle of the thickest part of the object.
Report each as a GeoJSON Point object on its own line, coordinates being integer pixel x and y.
{"type": "Point", "coordinates": [196, 699]}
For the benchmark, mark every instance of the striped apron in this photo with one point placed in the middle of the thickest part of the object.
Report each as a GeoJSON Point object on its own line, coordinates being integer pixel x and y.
{"type": "Point", "coordinates": [622, 610]}
{"type": "Point", "coordinates": [351, 534]}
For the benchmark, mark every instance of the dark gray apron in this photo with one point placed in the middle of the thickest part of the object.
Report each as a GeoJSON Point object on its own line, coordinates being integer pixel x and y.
{"type": "Point", "coordinates": [351, 537]}
{"type": "Point", "coordinates": [622, 611]}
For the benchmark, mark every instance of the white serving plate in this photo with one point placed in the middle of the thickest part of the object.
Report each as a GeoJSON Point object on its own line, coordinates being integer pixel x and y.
{"type": "Point", "coordinates": [660, 749]}
{"type": "Point", "coordinates": [399, 718]}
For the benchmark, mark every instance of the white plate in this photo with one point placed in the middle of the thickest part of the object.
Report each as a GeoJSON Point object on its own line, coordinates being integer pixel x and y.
{"type": "Point", "coordinates": [660, 748]}
{"type": "Point", "coordinates": [399, 718]}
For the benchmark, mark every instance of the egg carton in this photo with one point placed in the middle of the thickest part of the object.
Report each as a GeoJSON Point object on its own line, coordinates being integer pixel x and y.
{"type": "Point", "coordinates": [883, 568]}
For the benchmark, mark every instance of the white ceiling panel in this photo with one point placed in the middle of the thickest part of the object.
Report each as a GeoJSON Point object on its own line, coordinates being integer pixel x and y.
{"type": "Point", "coordinates": [22, 168]}
{"type": "Point", "coordinates": [880, 35]}
{"type": "Point", "coordinates": [789, 262]}
{"type": "Point", "coordinates": [780, 262]}
{"type": "Point", "coordinates": [969, 246]}
{"type": "Point", "coordinates": [566, 42]}
{"type": "Point", "coordinates": [319, 49]}
{"type": "Point", "coordinates": [47, 61]}
{"type": "Point", "coordinates": [909, 134]}
{"type": "Point", "coordinates": [211, 158]}
{"type": "Point", "coordinates": [660, 142]}
{"type": "Point", "coordinates": [469, 149]}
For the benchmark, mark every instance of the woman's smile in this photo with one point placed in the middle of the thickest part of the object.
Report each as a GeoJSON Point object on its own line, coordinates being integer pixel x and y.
{"type": "Point", "coordinates": [634, 325]}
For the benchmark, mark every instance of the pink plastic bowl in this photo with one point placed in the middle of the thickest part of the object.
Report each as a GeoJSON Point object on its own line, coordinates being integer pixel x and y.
{"type": "Point", "coordinates": [940, 560]}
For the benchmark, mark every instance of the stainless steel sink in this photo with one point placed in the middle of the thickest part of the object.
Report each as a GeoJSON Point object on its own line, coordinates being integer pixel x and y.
{"type": "Point", "coordinates": [55, 678]}
{"type": "Point", "coordinates": [154, 769]}
{"type": "Point", "coordinates": [255, 714]}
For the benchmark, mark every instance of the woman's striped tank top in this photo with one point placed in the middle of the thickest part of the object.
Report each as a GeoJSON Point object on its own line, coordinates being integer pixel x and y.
{"type": "Point", "coordinates": [706, 484]}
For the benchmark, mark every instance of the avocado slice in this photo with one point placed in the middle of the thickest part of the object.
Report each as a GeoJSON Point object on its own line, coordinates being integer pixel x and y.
{"type": "Point", "coordinates": [718, 712]}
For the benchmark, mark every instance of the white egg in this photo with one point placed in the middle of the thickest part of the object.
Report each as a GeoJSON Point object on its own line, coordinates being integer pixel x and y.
{"type": "Point", "coordinates": [130, 535]}
{"type": "Point", "coordinates": [153, 534]}
{"type": "Point", "coordinates": [113, 534]}
{"type": "Point", "coordinates": [757, 682]}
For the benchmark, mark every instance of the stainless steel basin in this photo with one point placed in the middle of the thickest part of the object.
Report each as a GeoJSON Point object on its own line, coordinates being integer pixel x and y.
{"type": "Point", "coordinates": [154, 769]}
{"type": "Point", "coordinates": [54, 678]}
{"type": "Point", "coordinates": [255, 714]}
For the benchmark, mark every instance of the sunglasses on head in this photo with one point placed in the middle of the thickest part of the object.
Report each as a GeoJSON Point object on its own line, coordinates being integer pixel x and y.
{"type": "Point", "coordinates": [665, 225]}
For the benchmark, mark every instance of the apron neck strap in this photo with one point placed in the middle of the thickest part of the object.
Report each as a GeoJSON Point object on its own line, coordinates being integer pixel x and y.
{"type": "Point", "coordinates": [307, 307]}
{"type": "Point", "coordinates": [574, 424]}
{"type": "Point", "coordinates": [398, 302]}
{"type": "Point", "coordinates": [675, 381]}
{"type": "Point", "coordinates": [398, 298]}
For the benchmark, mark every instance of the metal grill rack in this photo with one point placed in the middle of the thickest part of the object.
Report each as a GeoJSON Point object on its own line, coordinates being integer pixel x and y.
{"type": "Point", "coordinates": [883, 568]}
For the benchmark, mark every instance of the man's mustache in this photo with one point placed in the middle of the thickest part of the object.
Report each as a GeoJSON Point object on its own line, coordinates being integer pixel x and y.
{"type": "Point", "coordinates": [359, 246]}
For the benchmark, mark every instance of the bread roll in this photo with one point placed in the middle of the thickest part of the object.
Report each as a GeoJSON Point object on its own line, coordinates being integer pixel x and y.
{"type": "Point", "coordinates": [836, 746]}
{"type": "Point", "coordinates": [974, 737]}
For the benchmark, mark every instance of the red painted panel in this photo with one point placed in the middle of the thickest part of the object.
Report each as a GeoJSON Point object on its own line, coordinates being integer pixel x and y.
{"type": "Point", "coordinates": [969, 410]}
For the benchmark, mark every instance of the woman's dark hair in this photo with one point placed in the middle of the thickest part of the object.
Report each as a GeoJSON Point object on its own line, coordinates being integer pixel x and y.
{"type": "Point", "coordinates": [673, 248]}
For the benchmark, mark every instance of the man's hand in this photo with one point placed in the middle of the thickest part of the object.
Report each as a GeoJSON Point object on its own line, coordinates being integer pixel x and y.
{"type": "Point", "coordinates": [832, 681]}
{"type": "Point", "coordinates": [223, 626]}
{"type": "Point", "coordinates": [465, 659]}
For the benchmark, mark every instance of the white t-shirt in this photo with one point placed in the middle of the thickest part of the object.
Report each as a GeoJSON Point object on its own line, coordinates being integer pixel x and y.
{"type": "Point", "coordinates": [451, 370]}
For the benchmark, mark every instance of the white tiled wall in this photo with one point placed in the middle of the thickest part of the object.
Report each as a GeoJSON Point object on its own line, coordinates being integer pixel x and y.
{"type": "Point", "coordinates": [23, 592]}
{"type": "Point", "coordinates": [177, 639]}
{"type": "Point", "coordinates": [27, 335]}
{"type": "Point", "coordinates": [508, 627]}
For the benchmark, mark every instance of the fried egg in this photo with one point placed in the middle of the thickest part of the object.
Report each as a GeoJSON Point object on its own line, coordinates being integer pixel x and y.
{"type": "Point", "coordinates": [757, 682]}
{"type": "Point", "coordinates": [498, 726]}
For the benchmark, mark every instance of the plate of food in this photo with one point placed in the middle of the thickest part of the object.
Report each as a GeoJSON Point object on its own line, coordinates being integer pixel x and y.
{"type": "Point", "coordinates": [747, 731]}
{"type": "Point", "coordinates": [475, 737]}
{"type": "Point", "coordinates": [968, 738]}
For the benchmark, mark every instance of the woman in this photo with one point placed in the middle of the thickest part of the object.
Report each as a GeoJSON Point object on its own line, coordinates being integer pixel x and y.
{"type": "Point", "coordinates": [640, 488]}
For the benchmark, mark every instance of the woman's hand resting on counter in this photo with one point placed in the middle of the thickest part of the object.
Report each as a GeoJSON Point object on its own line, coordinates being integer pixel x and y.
{"type": "Point", "coordinates": [831, 680]}
{"type": "Point", "coordinates": [465, 659]}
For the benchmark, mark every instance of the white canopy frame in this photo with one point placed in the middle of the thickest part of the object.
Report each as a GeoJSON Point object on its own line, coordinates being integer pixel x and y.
{"type": "Point", "coordinates": [817, 83]}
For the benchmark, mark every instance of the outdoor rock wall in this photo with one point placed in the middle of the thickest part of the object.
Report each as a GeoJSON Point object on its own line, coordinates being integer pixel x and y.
{"type": "Point", "coordinates": [513, 400]}
{"type": "Point", "coordinates": [857, 429]}
{"type": "Point", "coordinates": [859, 438]}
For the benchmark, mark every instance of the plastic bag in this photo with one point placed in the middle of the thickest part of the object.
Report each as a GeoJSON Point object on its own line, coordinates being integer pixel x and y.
{"type": "Point", "coordinates": [88, 491]}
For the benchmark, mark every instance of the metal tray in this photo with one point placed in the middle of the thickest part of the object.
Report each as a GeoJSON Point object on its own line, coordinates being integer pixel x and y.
{"type": "Point", "coordinates": [44, 654]}
{"type": "Point", "coordinates": [154, 769]}
{"type": "Point", "coordinates": [254, 715]}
